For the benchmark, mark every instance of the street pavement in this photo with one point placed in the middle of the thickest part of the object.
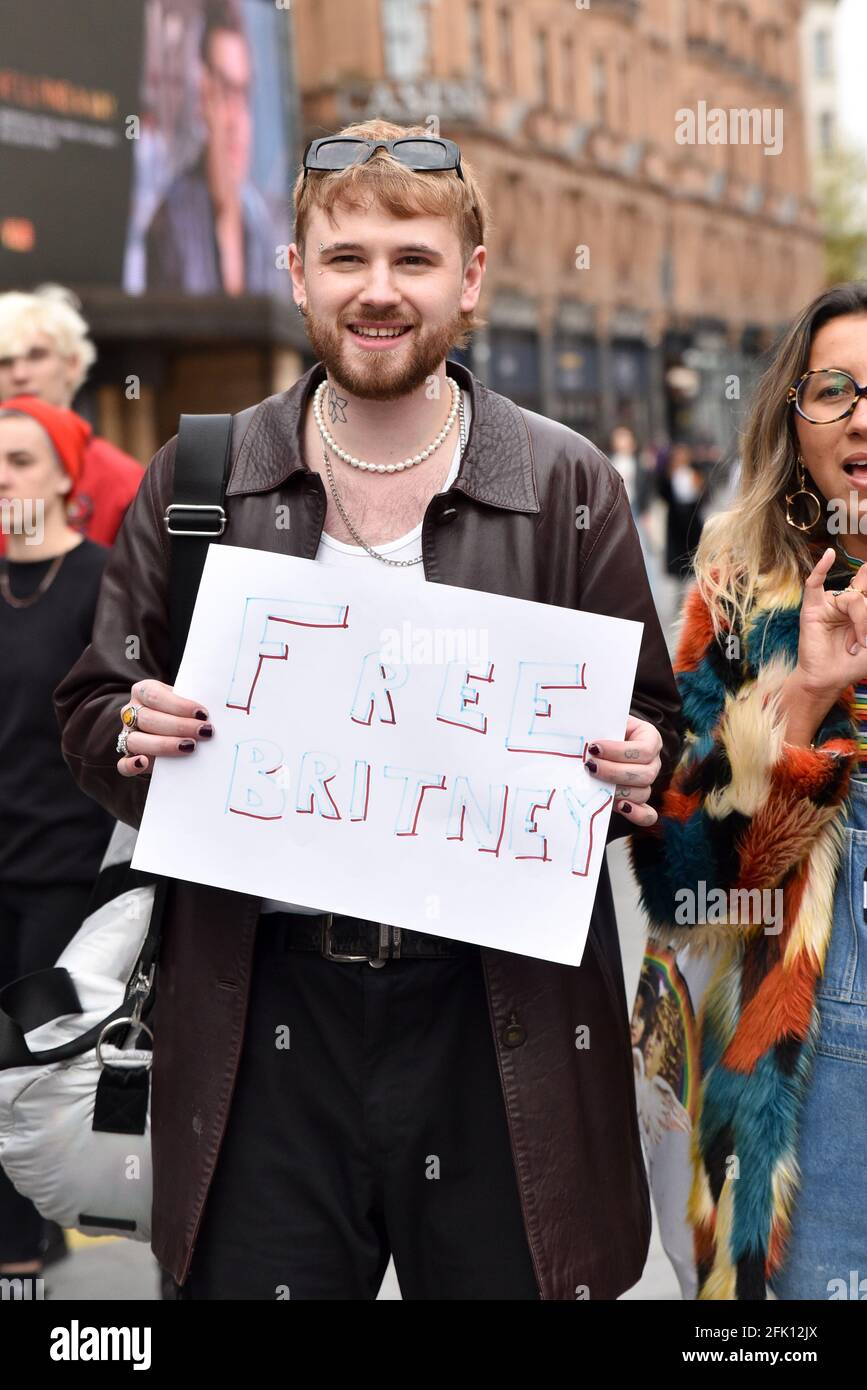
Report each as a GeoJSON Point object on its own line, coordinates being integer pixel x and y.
{"type": "Point", "coordinates": [115, 1269]}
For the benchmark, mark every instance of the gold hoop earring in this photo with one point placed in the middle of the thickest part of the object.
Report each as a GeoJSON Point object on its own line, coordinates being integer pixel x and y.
{"type": "Point", "coordinates": [801, 491]}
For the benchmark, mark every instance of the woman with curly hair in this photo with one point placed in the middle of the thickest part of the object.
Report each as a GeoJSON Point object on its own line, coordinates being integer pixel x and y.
{"type": "Point", "coordinates": [771, 793]}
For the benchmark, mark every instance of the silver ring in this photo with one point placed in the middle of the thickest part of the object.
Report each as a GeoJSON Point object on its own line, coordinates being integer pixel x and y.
{"type": "Point", "coordinates": [850, 588]}
{"type": "Point", "coordinates": [118, 1023]}
{"type": "Point", "coordinates": [122, 739]}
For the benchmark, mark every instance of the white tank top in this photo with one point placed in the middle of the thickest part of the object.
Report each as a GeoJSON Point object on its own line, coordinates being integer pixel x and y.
{"type": "Point", "coordinates": [407, 547]}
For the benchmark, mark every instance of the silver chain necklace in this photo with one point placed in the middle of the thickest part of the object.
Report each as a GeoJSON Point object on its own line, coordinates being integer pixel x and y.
{"type": "Point", "coordinates": [399, 564]}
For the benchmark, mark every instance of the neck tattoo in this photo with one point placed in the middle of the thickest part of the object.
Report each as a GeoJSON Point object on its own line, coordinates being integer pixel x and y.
{"type": "Point", "coordinates": [336, 406]}
{"type": "Point", "coordinates": [331, 443]}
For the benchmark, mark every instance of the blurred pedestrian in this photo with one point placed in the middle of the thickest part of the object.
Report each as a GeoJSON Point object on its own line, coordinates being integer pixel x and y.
{"type": "Point", "coordinates": [52, 835]}
{"type": "Point", "coordinates": [624, 457]}
{"type": "Point", "coordinates": [639, 485]}
{"type": "Point", "coordinates": [46, 352]}
{"type": "Point", "coordinates": [682, 488]}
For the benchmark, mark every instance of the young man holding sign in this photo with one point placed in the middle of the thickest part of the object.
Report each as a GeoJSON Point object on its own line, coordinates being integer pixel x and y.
{"type": "Point", "coordinates": [329, 1091]}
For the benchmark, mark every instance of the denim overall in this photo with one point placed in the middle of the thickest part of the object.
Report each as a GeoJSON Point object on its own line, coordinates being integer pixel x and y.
{"type": "Point", "coordinates": [827, 1254]}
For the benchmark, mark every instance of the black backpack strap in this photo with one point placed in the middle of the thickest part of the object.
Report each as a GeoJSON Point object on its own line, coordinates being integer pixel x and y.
{"type": "Point", "coordinates": [196, 515]}
{"type": "Point", "coordinates": [36, 999]}
{"type": "Point", "coordinates": [195, 518]}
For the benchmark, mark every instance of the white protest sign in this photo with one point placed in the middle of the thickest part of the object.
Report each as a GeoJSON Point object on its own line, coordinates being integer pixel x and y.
{"type": "Point", "coordinates": [410, 753]}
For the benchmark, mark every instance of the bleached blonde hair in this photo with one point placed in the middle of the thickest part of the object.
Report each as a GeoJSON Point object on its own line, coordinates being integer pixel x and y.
{"type": "Point", "coordinates": [50, 309]}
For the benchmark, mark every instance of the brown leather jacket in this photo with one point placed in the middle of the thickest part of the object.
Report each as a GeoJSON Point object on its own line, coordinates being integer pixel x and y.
{"type": "Point", "coordinates": [507, 525]}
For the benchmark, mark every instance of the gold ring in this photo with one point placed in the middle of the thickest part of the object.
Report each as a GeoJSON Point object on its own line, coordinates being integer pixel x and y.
{"type": "Point", "coordinates": [129, 715]}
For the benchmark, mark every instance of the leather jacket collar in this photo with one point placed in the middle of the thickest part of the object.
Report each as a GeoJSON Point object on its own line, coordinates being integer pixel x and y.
{"type": "Point", "coordinates": [497, 466]}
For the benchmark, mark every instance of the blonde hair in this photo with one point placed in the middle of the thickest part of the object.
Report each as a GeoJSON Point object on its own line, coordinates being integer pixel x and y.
{"type": "Point", "coordinates": [399, 190]}
{"type": "Point", "coordinates": [52, 310]}
{"type": "Point", "coordinates": [752, 544]}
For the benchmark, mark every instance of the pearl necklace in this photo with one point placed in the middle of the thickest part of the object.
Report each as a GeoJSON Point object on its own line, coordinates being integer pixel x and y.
{"type": "Point", "coordinates": [399, 564]}
{"type": "Point", "coordinates": [335, 448]}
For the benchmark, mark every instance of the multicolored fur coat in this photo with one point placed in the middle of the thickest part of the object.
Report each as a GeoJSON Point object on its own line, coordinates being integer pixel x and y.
{"type": "Point", "coordinates": [746, 810]}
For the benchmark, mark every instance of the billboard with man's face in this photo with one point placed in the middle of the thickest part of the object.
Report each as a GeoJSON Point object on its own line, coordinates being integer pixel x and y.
{"type": "Point", "coordinates": [145, 145]}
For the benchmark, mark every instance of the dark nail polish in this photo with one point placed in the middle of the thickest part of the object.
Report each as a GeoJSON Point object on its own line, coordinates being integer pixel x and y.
{"type": "Point", "coordinates": [591, 766]}
{"type": "Point", "coordinates": [187, 745]}
{"type": "Point", "coordinates": [201, 714]}
{"type": "Point", "coordinates": [139, 762]}
{"type": "Point", "coordinates": [626, 806]}
{"type": "Point", "coordinates": [594, 748]}
{"type": "Point", "coordinates": [206, 731]}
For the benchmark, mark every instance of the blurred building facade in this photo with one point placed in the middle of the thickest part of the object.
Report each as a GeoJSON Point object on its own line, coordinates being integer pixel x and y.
{"type": "Point", "coordinates": [638, 266]}
{"type": "Point", "coordinates": [633, 278]}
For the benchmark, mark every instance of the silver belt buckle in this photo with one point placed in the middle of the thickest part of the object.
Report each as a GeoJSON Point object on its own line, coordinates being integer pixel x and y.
{"type": "Point", "coordinates": [327, 950]}
{"type": "Point", "coordinates": [376, 961]}
{"type": "Point", "coordinates": [385, 932]}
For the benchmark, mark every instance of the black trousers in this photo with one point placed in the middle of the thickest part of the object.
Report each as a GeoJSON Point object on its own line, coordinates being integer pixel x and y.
{"type": "Point", "coordinates": [367, 1121]}
{"type": "Point", "coordinates": [36, 924]}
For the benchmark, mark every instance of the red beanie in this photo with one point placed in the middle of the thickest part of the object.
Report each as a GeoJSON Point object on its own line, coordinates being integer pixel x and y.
{"type": "Point", "coordinates": [67, 431]}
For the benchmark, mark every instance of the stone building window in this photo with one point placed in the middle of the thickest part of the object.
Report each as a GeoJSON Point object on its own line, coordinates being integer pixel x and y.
{"type": "Point", "coordinates": [600, 89]}
{"type": "Point", "coordinates": [628, 243]}
{"type": "Point", "coordinates": [475, 41]}
{"type": "Point", "coordinates": [623, 68]}
{"type": "Point", "coordinates": [507, 56]}
{"type": "Point", "coordinates": [512, 211]}
{"type": "Point", "coordinates": [543, 76]}
{"type": "Point", "coordinates": [405, 38]}
{"type": "Point", "coordinates": [568, 59]}
{"type": "Point", "coordinates": [826, 131]}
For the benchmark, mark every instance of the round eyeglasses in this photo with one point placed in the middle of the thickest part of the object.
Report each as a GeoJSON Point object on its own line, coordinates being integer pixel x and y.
{"type": "Point", "coordinates": [821, 397]}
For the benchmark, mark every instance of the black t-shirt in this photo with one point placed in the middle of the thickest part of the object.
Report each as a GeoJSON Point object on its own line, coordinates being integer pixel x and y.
{"type": "Point", "coordinates": [50, 830]}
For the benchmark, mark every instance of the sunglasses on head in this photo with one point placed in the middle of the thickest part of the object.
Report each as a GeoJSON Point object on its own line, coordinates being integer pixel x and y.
{"type": "Point", "coordinates": [425, 154]}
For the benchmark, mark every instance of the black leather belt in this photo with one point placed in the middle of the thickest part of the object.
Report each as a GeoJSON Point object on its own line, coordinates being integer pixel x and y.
{"type": "Point", "coordinates": [357, 939]}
